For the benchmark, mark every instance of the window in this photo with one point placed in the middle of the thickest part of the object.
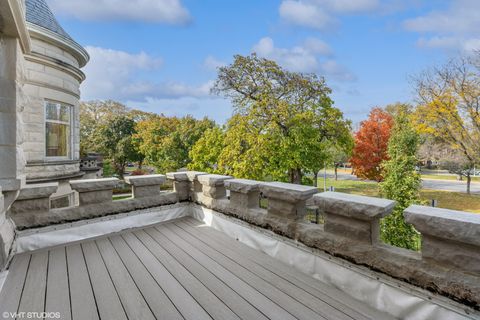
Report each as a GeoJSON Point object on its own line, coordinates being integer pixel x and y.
{"type": "Point", "coordinates": [57, 130]}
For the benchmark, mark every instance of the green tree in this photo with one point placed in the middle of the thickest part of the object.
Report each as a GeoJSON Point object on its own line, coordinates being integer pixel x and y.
{"type": "Point", "coordinates": [206, 152]}
{"type": "Point", "coordinates": [282, 120]}
{"type": "Point", "coordinates": [401, 183]}
{"type": "Point", "coordinates": [167, 141]}
{"type": "Point", "coordinates": [115, 140]}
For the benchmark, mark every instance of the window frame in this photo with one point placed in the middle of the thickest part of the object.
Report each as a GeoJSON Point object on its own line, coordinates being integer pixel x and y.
{"type": "Point", "coordinates": [69, 155]}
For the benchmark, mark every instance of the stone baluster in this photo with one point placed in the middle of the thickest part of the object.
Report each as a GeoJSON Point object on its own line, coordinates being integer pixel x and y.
{"type": "Point", "coordinates": [244, 194]}
{"type": "Point", "coordinates": [181, 184]}
{"type": "Point", "coordinates": [213, 188]}
{"type": "Point", "coordinates": [449, 238]}
{"type": "Point", "coordinates": [34, 198]}
{"type": "Point", "coordinates": [94, 191]}
{"type": "Point", "coordinates": [195, 186]}
{"type": "Point", "coordinates": [286, 205]}
{"type": "Point", "coordinates": [353, 216]}
{"type": "Point", "coordinates": [146, 186]}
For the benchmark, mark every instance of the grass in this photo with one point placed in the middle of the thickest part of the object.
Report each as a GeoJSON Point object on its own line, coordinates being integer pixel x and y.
{"type": "Point", "coordinates": [122, 197]}
{"type": "Point", "coordinates": [446, 199]}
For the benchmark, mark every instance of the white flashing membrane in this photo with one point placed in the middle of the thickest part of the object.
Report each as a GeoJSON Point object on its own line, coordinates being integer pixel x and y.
{"type": "Point", "coordinates": [81, 230]}
{"type": "Point", "coordinates": [376, 290]}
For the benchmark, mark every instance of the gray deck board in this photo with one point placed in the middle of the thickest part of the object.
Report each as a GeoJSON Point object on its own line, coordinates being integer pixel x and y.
{"type": "Point", "coordinates": [82, 301]}
{"type": "Point", "coordinates": [176, 270]}
{"type": "Point", "coordinates": [230, 297]}
{"type": "Point", "coordinates": [58, 296]}
{"type": "Point", "coordinates": [13, 286]}
{"type": "Point", "coordinates": [108, 302]}
{"type": "Point", "coordinates": [288, 302]}
{"type": "Point", "coordinates": [156, 298]}
{"type": "Point", "coordinates": [33, 295]}
{"type": "Point", "coordinates": [350, 306]}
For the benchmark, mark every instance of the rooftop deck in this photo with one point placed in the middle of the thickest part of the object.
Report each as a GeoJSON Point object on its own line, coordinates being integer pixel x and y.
{"type": "Point", "coordinates": [176, 270]}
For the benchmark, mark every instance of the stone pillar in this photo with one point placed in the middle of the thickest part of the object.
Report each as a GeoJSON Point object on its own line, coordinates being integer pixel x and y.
{"type": "Point", "coordinates": [146, 186]}
{"type": "Point", "coordinates": [181, 184]}
{"type": "Point", "coordinates": [353, 216]}
{"type": "Point", "coordinates": [11, 124]}
{"type": "Point", "coordinates": [286, 206]}
{"type": "Point", "coordinates": [32, 200]}
{"type": "Point", "coordinates": [449, 238]}
{"type": "Point", "coordinates": [195, 186]}
{"type": "Point", "coordinates": [95, 190]}
{"type": "Point", "coordinates": [213, 188]}
{"type": "Point", "coordinates": [244, 194]}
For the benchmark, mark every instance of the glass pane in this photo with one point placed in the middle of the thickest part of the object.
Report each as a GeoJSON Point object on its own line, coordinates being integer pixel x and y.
{"type": "Point", "coordinates": [57, 138]}
{"type": "Point", "coordinates": [51, 111]}
{"type": "Point", "coordinates": [57, 112]}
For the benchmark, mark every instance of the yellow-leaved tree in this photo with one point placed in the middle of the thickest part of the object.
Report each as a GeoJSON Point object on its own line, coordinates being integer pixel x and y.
{"type": "Point", "coordinates": [449, 110]}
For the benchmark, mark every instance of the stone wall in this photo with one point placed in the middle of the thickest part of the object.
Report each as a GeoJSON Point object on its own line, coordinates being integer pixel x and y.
{"type": "Point", "coordinates": [448, 263]}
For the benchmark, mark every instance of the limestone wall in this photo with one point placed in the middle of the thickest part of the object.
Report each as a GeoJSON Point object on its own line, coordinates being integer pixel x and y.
{"type": "Point", "coordinates": [448, 263]}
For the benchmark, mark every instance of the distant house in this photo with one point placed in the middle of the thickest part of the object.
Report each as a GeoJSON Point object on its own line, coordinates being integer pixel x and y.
{"type": "Point", "coordinates": [40, 78]}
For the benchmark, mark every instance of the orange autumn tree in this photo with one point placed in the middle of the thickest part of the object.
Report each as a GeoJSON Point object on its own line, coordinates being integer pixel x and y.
{"type": "Point", "coordinates": [371, 143]}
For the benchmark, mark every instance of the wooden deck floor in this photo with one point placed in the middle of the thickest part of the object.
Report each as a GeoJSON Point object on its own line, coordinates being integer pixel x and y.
{"type": "Point", "coordinates": [176, 270]}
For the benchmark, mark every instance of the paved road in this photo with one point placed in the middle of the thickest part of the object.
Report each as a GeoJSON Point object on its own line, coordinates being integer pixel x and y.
{"type": "Point", "coordinates": [444, 185]}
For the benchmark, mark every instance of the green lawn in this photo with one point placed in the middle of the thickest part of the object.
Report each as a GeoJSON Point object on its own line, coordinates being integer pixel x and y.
{"type": "Point", "coordinates": [446, 199]}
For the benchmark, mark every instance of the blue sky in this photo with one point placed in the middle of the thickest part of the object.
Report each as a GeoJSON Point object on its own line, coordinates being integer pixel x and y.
{"type": "Point", "coordinates": [161, 55]}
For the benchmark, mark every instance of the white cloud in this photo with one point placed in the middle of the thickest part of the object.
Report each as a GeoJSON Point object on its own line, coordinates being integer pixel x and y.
{"type": "Point", "coordinates": [308, 57]}
{"type": "Point", "coordinates": [320, 14]}
{"type": "Point", "coordinates": [457, 27]}
{"type": "Point", "coordinates": [216, 108]}
{"type": "Point", "coordinates": [156, 11]}
{"type": "Point", "coordinates": [113, 74]}
{"type": "Point", "coordinates": [305, 14]}
{"type": "Point", "coordinates": [211, 63]}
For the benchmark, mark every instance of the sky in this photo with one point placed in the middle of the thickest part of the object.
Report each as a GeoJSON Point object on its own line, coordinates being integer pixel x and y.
{"type": "Point", "coordinates": [162, 55]}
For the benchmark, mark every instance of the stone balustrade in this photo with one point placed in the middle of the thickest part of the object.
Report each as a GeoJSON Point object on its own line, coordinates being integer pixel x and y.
{"type": "Point", "coordinates": [450, 238]}
{"type": "Point", "coordinates": [354, 216]}
{"type": "Point", "coordinates": [33, 198]}
{"type": "Point", "coordinates": [181, 185]}
{"type": "Point", "coordinates": [91, 191]}
{"type": "Point", "coordinates": [449, 261]}
{"type": "Point", "coordinates": [146, 186]}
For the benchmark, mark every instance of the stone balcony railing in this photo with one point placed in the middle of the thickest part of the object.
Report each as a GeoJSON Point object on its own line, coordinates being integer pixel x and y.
{"type": "Point", "coordinates": [448, 262]}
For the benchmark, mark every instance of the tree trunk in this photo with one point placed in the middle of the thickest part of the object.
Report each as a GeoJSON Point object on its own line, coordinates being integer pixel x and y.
{"type": "Point", "coordinates": [315, 179]}
{"type": "Point", "coordinates": [140, 164]}
{"type": "Point", "coordinates": [336, 171]}
{"type": "Point", "coordinates": [469, 180]}
{"type": "Point", "coordinates": [296, 176]}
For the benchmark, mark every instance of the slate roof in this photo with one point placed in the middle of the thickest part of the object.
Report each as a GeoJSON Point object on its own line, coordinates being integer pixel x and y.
{"type": "Point", "coordinates": [38, 12]}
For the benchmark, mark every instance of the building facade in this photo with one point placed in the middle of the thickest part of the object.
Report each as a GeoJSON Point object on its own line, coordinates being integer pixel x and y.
{"type": "Point", "coordinates": [40, 78]}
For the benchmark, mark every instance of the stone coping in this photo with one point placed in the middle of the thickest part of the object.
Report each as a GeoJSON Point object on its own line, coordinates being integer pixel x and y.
{"type": "Point", "coordinates": [287, 191]}
{"type": "Point", "coordinates": [446, 224]}
{"type": "Point", "coordinates": [192, 175]}
{"type": "Point", "coordinates": [177, 176]}
{"type": "Point", "coordinates": [146, 180]}
{"type": "Point", "coordinates": [36, 191]}
{"type": "Point", "coordinates": [242, 185]}
{"type": "Point", "coordinates": [213, 179]}
{"type": "Point", "coordinates": [94, 184]}
{"type": "Point", "coordinates": [355, 206]}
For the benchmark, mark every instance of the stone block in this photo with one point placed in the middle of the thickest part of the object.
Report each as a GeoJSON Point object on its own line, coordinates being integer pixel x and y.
{"type": "Point", "coordinates": [213, 185]}
{"type": "Point", "coordinates": [33, 198]}
{"type": "Point", "coordinates": [353, 216]}
{"type": "Point", "coordinates": [449, 237]}
{"type": "Point", "coordinates": [181, 184]}
{"type": "Point", "coordinates": [287, 200]}
{"type": "Point", "coordinates": [146, 186]}
{"type": "Point", "coordinates": [93, 191]}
